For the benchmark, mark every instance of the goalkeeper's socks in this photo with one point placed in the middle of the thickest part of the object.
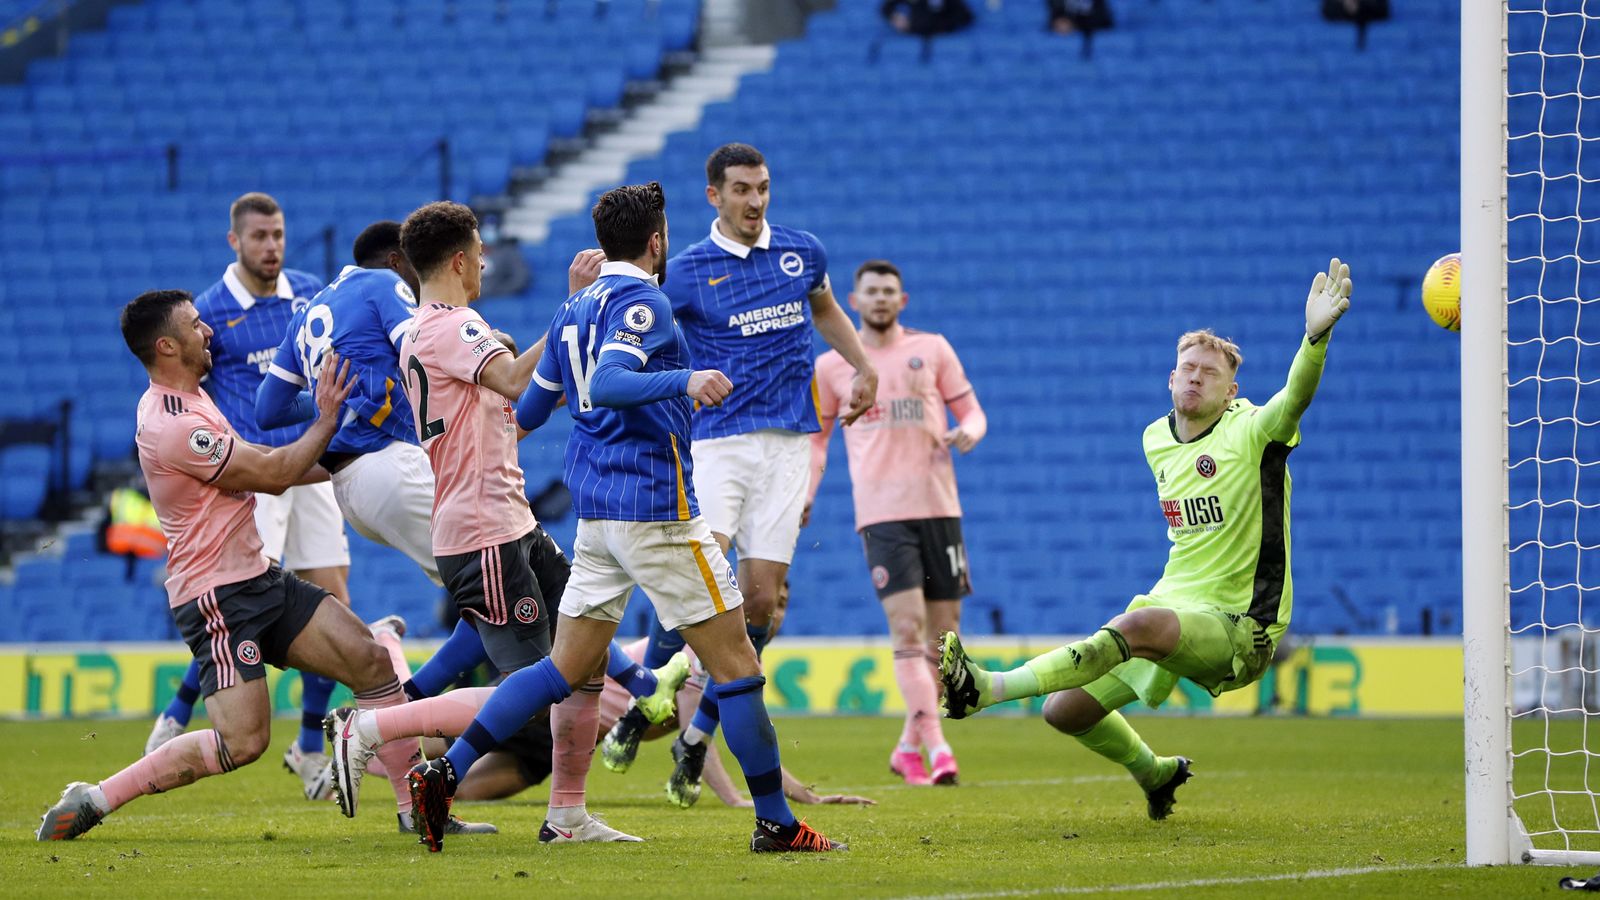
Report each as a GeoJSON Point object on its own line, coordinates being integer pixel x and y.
{"type": "Point", "coordinates": [182, 706]}
{"type": "Point", "coordinates": [1064, 668]}
{"type": "Point", "coordinates": [461, 652]}
{"type": "Point", "coordinates": [1113, 738]}
{"type": "Point", "coordinates": [621, 668]}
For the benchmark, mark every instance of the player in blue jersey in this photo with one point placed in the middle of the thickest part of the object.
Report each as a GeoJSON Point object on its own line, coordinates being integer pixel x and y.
{"type": "Point", "coordinates": [616, 353]}
{"type": "Point", "coordinates": [248, 311]}
{"type": "Point", "coordinates": [381, 477]}
{"type": "Point", "coordinates": [747, 297]}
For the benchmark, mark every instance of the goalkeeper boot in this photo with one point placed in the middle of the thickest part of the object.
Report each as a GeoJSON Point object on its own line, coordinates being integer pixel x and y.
{"type": "Point", "coordinates": [432, 784]}
{"type": "Point", "coordinates": [683, 787]}
{"type": "Point", "coordinates": [1159, 800]}
{"type": "Point", "coordinates": [662, 705]}
{"type": "Point", "coordinates": [963, 681]}
{"type": "Point", "coordinates": [621, 744]}
{"type": "Point", "coordinates": [452, 825]}
{"type": "Point", "coordinates": [770, 837]}
{"type": "Point", "coordinates": [72, 815]}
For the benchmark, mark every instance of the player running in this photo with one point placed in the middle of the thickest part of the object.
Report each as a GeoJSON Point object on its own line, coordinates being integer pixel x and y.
{"type": "Point", "coordinates": [747, 297]}
{"type": "Point", "coordinates": [907, 510]}
{"type": "Point", "coordinates": [1223, 603]}
{"type": "Point", "coordinates": [236, 609]}
{"type": "Point", "coordinates": [249, 310]}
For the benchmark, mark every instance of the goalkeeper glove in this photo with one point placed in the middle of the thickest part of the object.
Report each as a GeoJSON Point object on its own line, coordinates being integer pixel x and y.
{"type": "Point", "coordinates": [1329, 298]}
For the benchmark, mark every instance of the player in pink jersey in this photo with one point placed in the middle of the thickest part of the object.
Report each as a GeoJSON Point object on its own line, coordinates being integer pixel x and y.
{"type": "Point", "coordinates": [907, 510]}
{"type": "Point", "coordinates": [460, 380]}
{"type": "Point", "coordinates": [236, 610]}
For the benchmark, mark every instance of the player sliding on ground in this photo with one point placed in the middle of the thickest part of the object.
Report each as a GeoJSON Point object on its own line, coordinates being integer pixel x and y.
{"type": "Point", "coordinates": [1223, 603]}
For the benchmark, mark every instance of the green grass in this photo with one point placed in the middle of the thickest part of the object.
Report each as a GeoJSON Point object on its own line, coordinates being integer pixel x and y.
{"type": "Point", "coordinates": [1034, 813]}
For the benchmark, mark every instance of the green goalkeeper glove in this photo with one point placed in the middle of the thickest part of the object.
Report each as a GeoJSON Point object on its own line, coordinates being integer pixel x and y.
{"type": "Point", "coordinates": [1329, 298]}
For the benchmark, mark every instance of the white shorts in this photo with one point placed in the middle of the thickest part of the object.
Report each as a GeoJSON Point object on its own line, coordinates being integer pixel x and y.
{"type": "Point", "coordinates": [387, 497]}
{"type": "Point", "coordinates": [677, 564]}
{"type": "Point", "coordinates": [302, 529]}
{"type": "Point", "coordinates": [752, 489]}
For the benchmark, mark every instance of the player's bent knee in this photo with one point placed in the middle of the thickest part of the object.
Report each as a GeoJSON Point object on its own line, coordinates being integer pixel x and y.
{"type": "Point", "coordinates": [245, 746]}
{"type": "Point", "coordinates": [371, 667]}
{"type": "Point", "coordinates": [1072, 712]}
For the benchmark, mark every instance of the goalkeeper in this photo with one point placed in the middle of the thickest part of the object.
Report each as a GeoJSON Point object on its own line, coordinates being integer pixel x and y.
{"type": "Point", "coordinates": [1223, 602]}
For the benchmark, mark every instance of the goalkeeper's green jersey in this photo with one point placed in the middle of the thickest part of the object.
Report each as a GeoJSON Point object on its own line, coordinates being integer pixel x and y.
{"type": "Point", "coordinates": [1225, 498]}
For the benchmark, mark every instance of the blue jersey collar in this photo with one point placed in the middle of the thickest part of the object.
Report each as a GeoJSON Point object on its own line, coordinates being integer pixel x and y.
{"type": "Point", "coordinates": [242, 295]}
{"type": "Point", "coordinates": [628, 269]}
{"type": "Point", "coordinates": [736, 248]}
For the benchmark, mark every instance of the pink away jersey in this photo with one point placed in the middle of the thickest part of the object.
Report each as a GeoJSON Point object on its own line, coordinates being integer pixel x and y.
{"type": "Point", "coordinates": [899, 466]}
{"type": "Point", "coordinates": [184, 445]}
{"type": "Point", "coordinates": [469, 431]}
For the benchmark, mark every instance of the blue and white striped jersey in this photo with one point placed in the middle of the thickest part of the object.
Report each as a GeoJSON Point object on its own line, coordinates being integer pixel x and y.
{"type": "Point", "coordinates": [362, 316]}
{"type": "Point", "coordinates": [747, 313]}
{"type": "Point", "coordinates": [246, 333]}
{"type": "Point", "coordinates": [630, 464]}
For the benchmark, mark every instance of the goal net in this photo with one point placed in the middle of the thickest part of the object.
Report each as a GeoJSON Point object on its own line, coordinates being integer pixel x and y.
{"type": "Point", "coordinates": [1547, 294]}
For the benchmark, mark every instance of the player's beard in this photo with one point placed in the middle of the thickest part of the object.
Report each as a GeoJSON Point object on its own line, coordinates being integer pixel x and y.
{"type": "Point", "coordinates": [260, 274]}
{"type": "Point", "coordinates": [880, 324]}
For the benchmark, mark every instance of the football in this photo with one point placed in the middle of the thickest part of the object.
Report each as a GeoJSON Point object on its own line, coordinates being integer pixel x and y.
{"type": "Point", "coordinates": [1441, 292]}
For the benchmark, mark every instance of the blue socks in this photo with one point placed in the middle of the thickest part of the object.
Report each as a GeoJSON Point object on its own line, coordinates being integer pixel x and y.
{"type": "Point", "coordinates": [461, 652]}
{"type": "Point", "coordinates": [518, 698]}
{"type": "Point", "coordinates": [754, 743]}
{"type": "Point", "coordinates": [314, 693]}
{"type": "Point", "coordinates": [706, 716]}
{"type": "Point", "coordinates": [621, 668]}
{"type": "Point", "coordinates": [181, 708]}
{"type": "Point", "coordinates": [663, 644]}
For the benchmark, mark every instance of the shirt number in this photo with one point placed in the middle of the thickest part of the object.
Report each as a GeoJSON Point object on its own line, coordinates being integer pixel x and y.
{"type": "Point", "coordinates": [313, 340]}
{"type": "Point", "coordinates": [426, 430]}
{"type": "Point", "coordinates": [581, 363]}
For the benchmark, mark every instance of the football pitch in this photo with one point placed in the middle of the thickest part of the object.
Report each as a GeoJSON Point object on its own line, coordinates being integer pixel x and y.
{"type": "Point", "coordinates": [1277, 806]}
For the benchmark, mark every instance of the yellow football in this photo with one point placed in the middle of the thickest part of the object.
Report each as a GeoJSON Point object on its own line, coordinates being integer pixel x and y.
{"type": "Point", "coordinates": [1441, 292]}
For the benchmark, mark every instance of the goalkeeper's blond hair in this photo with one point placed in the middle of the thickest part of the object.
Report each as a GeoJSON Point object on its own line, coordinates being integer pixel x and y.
{"type": "Point", "coordinates": [1208, 339]}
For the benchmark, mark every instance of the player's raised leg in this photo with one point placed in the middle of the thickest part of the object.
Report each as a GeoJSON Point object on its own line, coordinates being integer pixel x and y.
{"type": "Point", "coordinates": [1149, 633]}
{"type": "Point", "coordinates": [1083, 713]}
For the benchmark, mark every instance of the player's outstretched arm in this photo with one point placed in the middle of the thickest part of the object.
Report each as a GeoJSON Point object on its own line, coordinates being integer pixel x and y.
{"type": "Point", "coordinates": [1328, 299]}
{"type": "Point", "coordinates": [281, 403]}
{"type": "Point", "coordinates": [276, 470]}
{"type": "Point", "coordinates": [835, 326]}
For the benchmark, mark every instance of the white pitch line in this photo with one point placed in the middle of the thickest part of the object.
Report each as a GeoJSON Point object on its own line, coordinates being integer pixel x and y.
{"type": "Point", "coordinates": [1192, 883]}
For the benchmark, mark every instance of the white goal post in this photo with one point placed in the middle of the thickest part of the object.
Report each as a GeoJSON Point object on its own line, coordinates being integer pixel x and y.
{"type": "Point", "coordinates": [1530, 428]}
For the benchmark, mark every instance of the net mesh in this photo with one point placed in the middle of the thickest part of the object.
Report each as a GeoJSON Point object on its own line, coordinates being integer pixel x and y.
{"type": "Point", "coordinates": [1553, 408]}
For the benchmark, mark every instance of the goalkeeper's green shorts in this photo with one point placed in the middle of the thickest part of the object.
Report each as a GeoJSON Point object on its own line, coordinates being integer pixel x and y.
{"type": "Point", "coordinates": [1220, 651]}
